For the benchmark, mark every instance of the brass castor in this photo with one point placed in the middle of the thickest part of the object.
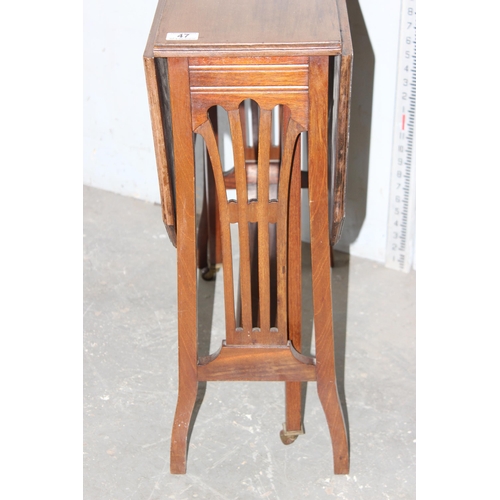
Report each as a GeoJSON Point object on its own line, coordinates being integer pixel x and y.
{"type": "Point", "coordinates": [208, 273]}
{"type": "Point", "coordinates": [288, 437]}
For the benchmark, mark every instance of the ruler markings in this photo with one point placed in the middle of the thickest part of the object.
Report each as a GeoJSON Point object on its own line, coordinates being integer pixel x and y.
{"type": "Point", "coordinates": [401, 207]}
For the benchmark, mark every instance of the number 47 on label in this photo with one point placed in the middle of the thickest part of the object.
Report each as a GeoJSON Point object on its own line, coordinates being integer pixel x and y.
{"type": "Point", "coordinates": [182, 36]}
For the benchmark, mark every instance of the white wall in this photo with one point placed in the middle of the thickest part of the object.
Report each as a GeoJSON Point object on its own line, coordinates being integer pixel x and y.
{"type": "Point", "coordinates": [118, 146]}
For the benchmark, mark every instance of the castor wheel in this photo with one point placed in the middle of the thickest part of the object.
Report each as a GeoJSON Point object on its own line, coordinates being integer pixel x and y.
{"type": "Point", "coordinates": [208, 273]}
{"type": "Point", "coordinates": [288, 437]}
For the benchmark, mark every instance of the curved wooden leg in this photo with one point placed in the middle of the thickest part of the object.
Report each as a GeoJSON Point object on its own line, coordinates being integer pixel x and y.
{"type": "Point", "coordinates": [320, 262]}
{"type": "Point", "coordinates": [328, 395]}
{"type": "Point", "coordinates": [183, 413]}
{"type": "Point", "coordinates": [186, 263]}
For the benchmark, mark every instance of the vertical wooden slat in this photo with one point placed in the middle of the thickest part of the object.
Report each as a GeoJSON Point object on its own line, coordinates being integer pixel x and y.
{"type": "Point", "coordinates": [320, 260]}
{"type": "Point", "coordinates": [206, 131]}
{"type": "Point", "coordinates": [272, 275]}
{"type": "Point", "coordinates": [186, 261]}
{"type": "Point", "coordinates": [295, 254]}
{"type": "Point", "coordinates": [213, 205]}
{"type": "Point", "coordinates": [244, 125]}
{"type": "Point", "coordinates": [242, 196]}
{"type": "Point", "coordinates": [254, 268]}
{"type": "Point", "coordinates": [281, 300]}
{"type": "Point", "coordinates": [293, 389]}
{"type": "Point", "coordinates": [293, 129]}
{"type": "Point", "coordinates": [263, 217]}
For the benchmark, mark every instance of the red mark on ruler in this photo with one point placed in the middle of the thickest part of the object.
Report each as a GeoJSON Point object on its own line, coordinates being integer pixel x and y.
{"type": "Point", "coordinates": [403, 122]}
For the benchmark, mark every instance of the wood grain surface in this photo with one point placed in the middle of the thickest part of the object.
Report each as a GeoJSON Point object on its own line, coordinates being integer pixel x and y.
{"type": "Point", "coordinates": [252, 27]}
{"type": "Point", "coordinates": [257, 363]}
{"type": "Point", "coordinates": [285, 53]}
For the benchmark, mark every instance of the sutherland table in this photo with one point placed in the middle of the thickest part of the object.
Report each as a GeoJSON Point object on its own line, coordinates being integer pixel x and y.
{"type": "Point", "coordinates": [263, 63]}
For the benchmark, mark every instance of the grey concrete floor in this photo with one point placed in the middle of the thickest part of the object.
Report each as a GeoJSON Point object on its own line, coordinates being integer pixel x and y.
{"type": "Point", "coordinates": [130, 379]}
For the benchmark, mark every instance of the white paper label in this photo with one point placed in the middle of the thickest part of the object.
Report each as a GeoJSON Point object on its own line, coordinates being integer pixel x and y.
{"type": "Point", "coordinates": [182, 36]}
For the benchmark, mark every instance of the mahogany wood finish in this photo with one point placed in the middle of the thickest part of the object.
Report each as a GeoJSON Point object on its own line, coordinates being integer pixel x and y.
{"type": "Point", "coordinates": [267, 53]}
{"type": "Point", "coordinates": [159, 131]}
{"type": "Point", "coordinates": [257, 363]}
{"type": "Point", "coordinates": [341, 138]}
{"type": "Point", "coordinates": [250, 28]}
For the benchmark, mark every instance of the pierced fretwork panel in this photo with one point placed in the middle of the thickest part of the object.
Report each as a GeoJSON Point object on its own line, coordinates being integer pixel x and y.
{"type": "Point", "coordinates": [257, 312]}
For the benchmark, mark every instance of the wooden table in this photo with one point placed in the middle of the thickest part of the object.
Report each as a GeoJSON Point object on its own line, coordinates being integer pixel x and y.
{"type": "Point", "coordinates": [295, 54]}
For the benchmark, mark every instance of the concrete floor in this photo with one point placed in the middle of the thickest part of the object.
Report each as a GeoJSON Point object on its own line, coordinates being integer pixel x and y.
{"type": "Point", "coordinates": [130, 379]}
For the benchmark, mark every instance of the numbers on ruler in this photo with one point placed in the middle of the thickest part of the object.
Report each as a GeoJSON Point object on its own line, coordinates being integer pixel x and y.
{"type": "Point", "coordinates": [400, 211]}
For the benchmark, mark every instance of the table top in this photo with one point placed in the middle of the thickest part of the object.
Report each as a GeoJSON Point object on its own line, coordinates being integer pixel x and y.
{"type": "Point", "coordinates": [246, 27]}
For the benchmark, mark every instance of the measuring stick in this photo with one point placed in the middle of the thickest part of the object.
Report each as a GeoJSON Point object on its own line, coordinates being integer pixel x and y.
{"type": "Point", "coordinates": [401, 221]}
